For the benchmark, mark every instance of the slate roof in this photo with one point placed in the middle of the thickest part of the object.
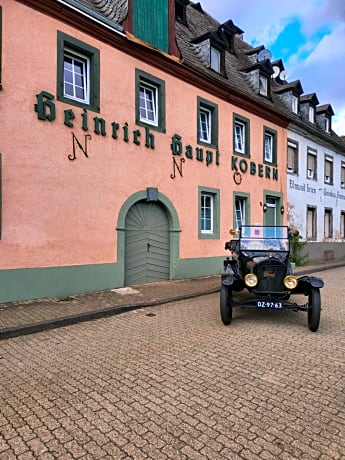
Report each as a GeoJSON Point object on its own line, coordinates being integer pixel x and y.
{"type": "Point", "coordinates": [238, 62]}
{"type": "Point", "coordinates": [115, 10]}
{"type": "Point", "coordinates": [198, 22]}
{"type": "Point", "coordinates": [237, 81]}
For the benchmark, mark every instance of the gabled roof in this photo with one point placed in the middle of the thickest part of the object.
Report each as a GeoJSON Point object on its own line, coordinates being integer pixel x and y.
{"type": "Point", "coordinates": [216, 36]}
{"type": "Point", "coordinates": [309, 98]}
{"type": "Point", "coordinates": [230, 27]}
{"type": "Point", "coordinates": [237, 63]}
{"type": "Point", "coordinates": [294, 86]}
{"type": "Point", "coordinates": [250, 51]}
{"type": "Point", "coordinates": [265, 66]}
{"type": "Point", "coordinates": [325, 108]}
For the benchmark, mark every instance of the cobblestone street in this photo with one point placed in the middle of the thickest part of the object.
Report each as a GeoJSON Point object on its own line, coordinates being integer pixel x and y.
{"type": "Point", "coordinates": [172, 382]}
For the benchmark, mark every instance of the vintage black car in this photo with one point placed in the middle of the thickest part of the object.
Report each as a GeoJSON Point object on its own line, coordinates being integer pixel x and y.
{"type": "Point", "coordinates": [259, 262]}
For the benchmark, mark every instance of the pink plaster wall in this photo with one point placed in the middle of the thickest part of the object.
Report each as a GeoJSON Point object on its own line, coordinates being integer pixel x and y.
{"type": "Point", "coordinates": [62, 212]}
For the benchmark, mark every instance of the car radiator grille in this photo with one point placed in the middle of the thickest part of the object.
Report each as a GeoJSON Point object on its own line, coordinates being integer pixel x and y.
{"type": "Point", "coordinates": [270, 278]}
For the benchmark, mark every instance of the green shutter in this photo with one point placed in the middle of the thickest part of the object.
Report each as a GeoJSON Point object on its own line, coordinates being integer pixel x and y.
{"type": "Point", "coordinates": [151, 22]}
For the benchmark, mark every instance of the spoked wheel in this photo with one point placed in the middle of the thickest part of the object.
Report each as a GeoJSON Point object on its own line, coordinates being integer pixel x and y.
{"type": "Point", "coordinates": [226, 305]}
{"type": "Point", "coordinates": [314, 309]}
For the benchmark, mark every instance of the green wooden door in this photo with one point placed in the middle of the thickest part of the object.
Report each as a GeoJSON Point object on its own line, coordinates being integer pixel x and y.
{"type": "Point", "coordinates": [271, 213]}
{"type": "Point", "coordinates": [147, 250]}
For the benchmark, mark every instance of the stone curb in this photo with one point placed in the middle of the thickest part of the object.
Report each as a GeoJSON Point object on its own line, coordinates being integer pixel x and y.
{"type": "Point", "coordinates": [41, 326]}
{"type": "Point", "coordinates": [11, 332]}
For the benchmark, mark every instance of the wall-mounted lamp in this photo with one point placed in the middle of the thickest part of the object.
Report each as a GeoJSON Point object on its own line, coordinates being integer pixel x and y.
{"type": "Point", "coordinates": [264, 208]}
{"type": "Point", "coordinates": [282, 209]}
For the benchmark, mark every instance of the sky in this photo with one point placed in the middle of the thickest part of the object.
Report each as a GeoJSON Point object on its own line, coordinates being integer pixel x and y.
{"type": "Point", "coordinates": [308, 35]}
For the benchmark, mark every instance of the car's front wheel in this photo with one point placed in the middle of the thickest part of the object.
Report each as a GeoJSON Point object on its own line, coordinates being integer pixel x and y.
{"type": "Point", "coordinates": [226, 305]}
{"type": "Point", "coordinates": [314, 309]}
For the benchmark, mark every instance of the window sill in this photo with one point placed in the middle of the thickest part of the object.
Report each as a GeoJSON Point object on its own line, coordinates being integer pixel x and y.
{"type": "Point", "coordinates": [206, 144]}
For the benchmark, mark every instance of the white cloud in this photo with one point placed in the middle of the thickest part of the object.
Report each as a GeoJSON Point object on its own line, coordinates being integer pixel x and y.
{"type": "Point", "coordinates": [319, 63]}
{"type": "Point", "coordinates": [338, 123]}
{"type": "Point", "coordinates": [323, 72]}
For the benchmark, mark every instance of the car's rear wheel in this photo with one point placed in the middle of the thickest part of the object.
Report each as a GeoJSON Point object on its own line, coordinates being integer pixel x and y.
{"type": "Point", "coordinates": [314, 309]}
{"type": "Point", "coordinates": [226, 305]}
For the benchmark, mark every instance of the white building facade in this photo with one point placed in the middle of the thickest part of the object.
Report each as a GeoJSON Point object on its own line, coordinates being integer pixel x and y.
{"type": "Point", "coordinates": [316, 192]}
{"type": "Point", "coordinates": [315, 173]}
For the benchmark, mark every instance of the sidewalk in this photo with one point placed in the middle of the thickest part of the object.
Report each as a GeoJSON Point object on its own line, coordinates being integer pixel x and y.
{"type": "Point", "coordinates": [27, 317]}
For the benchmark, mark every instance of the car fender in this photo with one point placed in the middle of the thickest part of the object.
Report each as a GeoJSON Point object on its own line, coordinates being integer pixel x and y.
{"type": "Point", "coordinates": [228, 280]}
{"type": "Point", "coordinates": [305, 283]}
{"type": "Point", "coordinates": [314, 281]}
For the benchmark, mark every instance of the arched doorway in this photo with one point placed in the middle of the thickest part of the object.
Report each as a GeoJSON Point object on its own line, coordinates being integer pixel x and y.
{"type": "Point", "coordinates": [147, 243]}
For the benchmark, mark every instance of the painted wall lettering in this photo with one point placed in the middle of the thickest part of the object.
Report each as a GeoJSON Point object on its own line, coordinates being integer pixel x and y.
{"type": "Point", "coordinates": [76, 143]}
{"type": "Point", "coordinates": [301, 187]}
{"type": "Point", "coordinates": [178, 167]}
{"type": "Point", "coordinates": [46, 111]}
{"type": "Point", "coordinates": [45, 106]}
{"type": "Point", "coordinates": [306, 188]}
{"type": "Point", "coordinates": [199, 153]}
{"type": "Point", "coordinates": [241, 165]}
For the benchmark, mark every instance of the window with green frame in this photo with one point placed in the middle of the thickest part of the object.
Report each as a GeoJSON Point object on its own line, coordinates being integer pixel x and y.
{"type": "Point", "coordinates": [241, 209]}
{"type": "Point", "coordinates": [149, 101]}
{"type": "Point", "coordinates": [270, 146]}
{"type": "Point", "coordinates": [207, 123]}
{"type": "Point", "coordinates": [208, 200]}
{"type": "Point", "coordinates": [241, 135]}
{"type": "Point", "coordinates": [78, 73]}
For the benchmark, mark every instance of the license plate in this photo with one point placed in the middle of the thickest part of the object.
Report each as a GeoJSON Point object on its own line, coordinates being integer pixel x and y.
{"type": "Point", "coordinates": [267, 304]}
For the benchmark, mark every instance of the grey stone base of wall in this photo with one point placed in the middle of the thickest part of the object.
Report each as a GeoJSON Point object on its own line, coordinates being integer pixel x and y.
{"type": "Point", "coordinates": [323, 251]}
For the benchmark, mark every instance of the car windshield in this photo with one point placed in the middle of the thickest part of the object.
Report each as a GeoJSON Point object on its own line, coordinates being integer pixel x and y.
{"type": "Point", "coordinates": [257, 238]}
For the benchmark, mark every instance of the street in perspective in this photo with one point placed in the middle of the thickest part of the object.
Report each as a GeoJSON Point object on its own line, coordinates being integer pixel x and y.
{"type": "Point", "coordinates": [173, 382]}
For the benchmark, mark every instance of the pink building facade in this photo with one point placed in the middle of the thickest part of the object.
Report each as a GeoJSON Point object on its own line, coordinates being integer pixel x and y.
{"type": "Point", "coordinates": [102, 189]}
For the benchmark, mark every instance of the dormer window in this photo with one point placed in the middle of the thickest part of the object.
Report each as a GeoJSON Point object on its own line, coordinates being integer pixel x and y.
{"type": "Point", "coordinates": [311, 114]}
{"type": "Point", "coordinates": [324, 115]}
{"type": "Point", "coordinates": [215, 59]}
{"type": "Point", "coordinates": [260, 75]}
{"type": "Point", "coordinates": [180, 11]}
{"type": "Point", "coordinates": [263, 85]}
{"type": "Point", "coordinates": [230, 30]}
{"type": "Point", "coordinates": [290, 92]}
{"type": "Point", "coordinates": [307, 105]}
{"type": "Point", "coordinates": [327, 125]}
{"type": "Point", "coordinates": [294, 104]}
{"type": "Point", "coordinates": [210, 49]}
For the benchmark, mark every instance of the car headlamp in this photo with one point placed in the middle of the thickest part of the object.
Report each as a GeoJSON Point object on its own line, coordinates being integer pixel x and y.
{"type": "Point", "coordinates": [290, 282]}
{"type": "Point", "coordinates": [251, 280]}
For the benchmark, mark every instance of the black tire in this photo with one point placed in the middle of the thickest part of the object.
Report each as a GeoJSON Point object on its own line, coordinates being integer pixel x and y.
{"type": "Point", "coordinates": [225, 305]}
{"type": "Point", "coordinates": [314, 309]}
